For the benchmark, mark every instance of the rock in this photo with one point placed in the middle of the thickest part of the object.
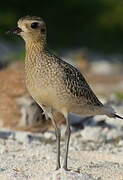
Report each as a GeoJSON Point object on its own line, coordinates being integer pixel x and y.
{"type": "Point", "coordinates": [93, 134]}
{"type": "Point", "coordinates": [31, 112]}
{"type": "Point", "coordinates": [49, 135]}
{"type": "Point", "coordinates": [121, 143]}
{"type": "Point", "coordinates": [20, 136]}
{"type": "Point", "coordinates": [113, 134]}
{"type": "Point", "coordinates": [102, 67]}
{"type": "Point", "coordinates": [5, 134]}
{"type": "Point", "coordinates": [13, 86]}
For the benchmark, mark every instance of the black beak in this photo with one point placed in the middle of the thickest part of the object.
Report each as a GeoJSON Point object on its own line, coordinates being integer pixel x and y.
{"type": "Point", "coordinates": [16, 30]}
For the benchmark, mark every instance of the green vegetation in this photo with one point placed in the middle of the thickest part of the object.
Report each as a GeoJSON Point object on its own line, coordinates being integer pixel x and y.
{"type": "Point", "coordinates": [119, 95]}
{"type": "Point", "coordinates": [96, 24]}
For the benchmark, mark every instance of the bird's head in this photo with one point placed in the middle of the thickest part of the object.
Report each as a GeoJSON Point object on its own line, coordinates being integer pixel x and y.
{"type": "Point", "coordinates": [30, 28]}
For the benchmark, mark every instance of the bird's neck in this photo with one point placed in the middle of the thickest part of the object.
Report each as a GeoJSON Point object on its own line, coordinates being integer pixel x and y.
{"type": "Point", "coordinates": [32, 46]}
{"type": "Point", "coordinates": [34, 49]}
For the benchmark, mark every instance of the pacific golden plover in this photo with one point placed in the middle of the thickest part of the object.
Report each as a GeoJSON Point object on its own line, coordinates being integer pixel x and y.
{"type": "Point", "coordinates": [53, 83]}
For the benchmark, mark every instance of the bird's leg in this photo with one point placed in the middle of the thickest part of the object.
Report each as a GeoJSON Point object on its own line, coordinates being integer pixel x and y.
{"type": "Point", "coordinates": [67, 139]}
{"type": "Point", "coordinates": [58, 135]}
{"type": "Point", "coordinates": [45, 113]}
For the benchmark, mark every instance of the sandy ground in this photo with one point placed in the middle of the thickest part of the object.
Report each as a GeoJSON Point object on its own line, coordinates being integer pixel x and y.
{"type": "Point", "coordinates": [35, 160]}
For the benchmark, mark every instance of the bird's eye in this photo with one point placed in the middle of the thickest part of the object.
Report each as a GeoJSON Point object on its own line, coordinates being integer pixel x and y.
{"type": "Point", "coordinates": [34, 25]}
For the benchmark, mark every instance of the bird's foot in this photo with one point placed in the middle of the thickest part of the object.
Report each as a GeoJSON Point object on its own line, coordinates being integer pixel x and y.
{"type": "Point", "coordinates": [65, 168]}
{"type": "Point", "coordinates": [58, 167]}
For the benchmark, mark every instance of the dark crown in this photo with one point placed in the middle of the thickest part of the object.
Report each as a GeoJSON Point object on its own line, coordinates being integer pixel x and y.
{"type": "Point", "coordinates": [31, 18]}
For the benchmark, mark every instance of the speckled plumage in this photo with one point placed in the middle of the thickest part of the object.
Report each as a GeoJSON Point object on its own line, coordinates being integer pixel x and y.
{"type": "Point", "coordinates": [53, 83]}
{"type": "Point", "coordinates": [64, 83]}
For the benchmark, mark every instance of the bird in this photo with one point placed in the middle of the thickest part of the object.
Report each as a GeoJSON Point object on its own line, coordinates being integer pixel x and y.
{"type": "Point", "coordinates": [54, 84]}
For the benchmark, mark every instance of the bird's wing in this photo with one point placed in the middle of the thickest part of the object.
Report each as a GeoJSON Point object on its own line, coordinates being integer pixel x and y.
{"type": "Point", "coordinates": [78, 86]}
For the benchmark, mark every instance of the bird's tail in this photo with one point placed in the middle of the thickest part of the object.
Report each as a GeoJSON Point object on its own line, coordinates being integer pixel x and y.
{"type": "Point", "coordinates": [109, 111]}
{"type": "Point", "coordinates": [115, 116]}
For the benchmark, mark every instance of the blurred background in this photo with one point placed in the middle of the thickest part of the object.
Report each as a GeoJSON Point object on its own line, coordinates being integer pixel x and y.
{"type": "Point", "coordinates": [88, 34]}
{"type": "Point", "coordinates": [96, 25]}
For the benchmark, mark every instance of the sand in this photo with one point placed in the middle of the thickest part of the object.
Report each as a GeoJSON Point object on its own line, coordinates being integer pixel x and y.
{"type": "Point", "coordinates": [34, 158]}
